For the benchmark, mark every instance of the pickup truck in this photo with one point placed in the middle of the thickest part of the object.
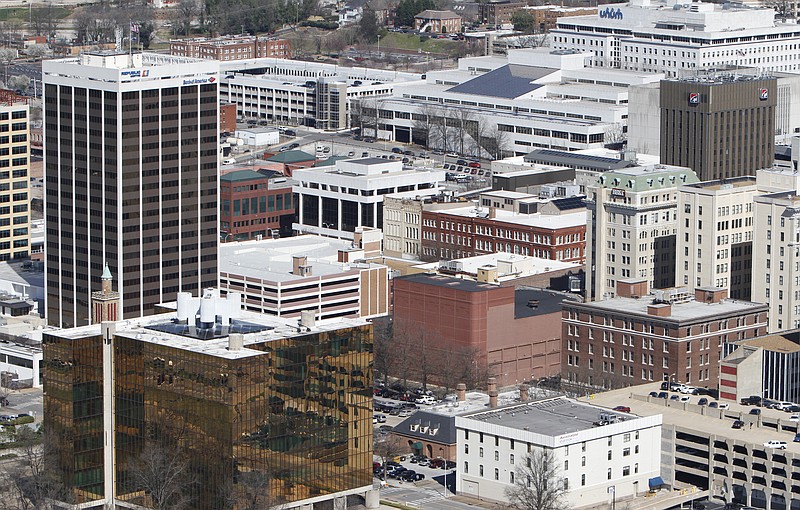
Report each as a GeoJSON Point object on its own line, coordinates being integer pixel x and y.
{"type": "Point", "coordinates": [752, 400]}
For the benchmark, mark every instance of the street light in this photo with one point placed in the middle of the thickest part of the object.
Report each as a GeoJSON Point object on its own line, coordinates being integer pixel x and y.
{"type": "Point", "coordinates": [446, 460]}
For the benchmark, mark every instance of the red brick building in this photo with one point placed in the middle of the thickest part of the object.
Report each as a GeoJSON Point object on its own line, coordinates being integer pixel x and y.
{"type": "Point", "coordinates": [515, 332]}
{"type": "Point", "coordinates": [254, 204]}
{"type": "Point", "coordinates": [456, 233]}
{"type": "Point", "coordinates": [669, 334]}
{"type": "Point", "coordinates": [227, 118]}
{"type": "Point", "coordinates": [237, 47]}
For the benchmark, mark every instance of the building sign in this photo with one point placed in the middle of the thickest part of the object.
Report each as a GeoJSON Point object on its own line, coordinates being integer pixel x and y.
{"type": "Point", "coordinates": [617, 193]}
{"type": "Point", "coordinates": [763, 94]}
{"type": "Point", "coordinates": [136, 73]}
{"type": "Point", "coordinates": [610, 13]}
{"type": "Point", "coordinates": [694, 98]}
{"type": "Point", "coordinates": [198, 81]}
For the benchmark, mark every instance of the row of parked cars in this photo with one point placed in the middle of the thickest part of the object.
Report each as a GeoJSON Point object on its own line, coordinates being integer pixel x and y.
{"type": "Point", "coordinates": [396, 471]}
{"type": "Point", "coordinates": [755, 400]}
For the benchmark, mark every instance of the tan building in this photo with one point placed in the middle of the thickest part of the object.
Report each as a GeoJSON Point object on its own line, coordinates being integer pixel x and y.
{"type": "Point", "coordinates": [14, 177]}
{"type": "Point", "coordinates": [438, 22]}
{"type": "Point", "coordinates": [287, 276]}
{"type": "Point", "coordinates": [231, 48]}
{"type": "Point", "coordinates": [545, 16]}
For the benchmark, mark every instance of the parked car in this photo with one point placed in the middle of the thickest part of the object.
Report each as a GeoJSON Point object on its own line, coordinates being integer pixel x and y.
{"type": "Point", "coordinates": [703, 401]}
{"type": "Point", "coordinates": [688, 390]}
{"type": "Point", "coordinates": [752, 400]}
{"type": "Point", "coordinates": [675, 397]}
{"type": "Point", "coordinates": [397, 150]}
{"type": "Point", "coordinates": [797, 438]}
{"type": "Point", "coordinates": [474, 164]}
{"type": "Point", "coordinates": [724, 406]}
{"type": "Point", "coordinates": [290, 132]}
{"type": "Point", "coordinates": [654, 394]}
{"type": "Point", "coordinates": [462, 162]}
{"type": "Point", "coordinates": [380, 417]}
{"type": "Point", "coordinates": [755, 411]}
{"type": "Point", "coordinates": [737, 424]}
{"type": "Point", "coordinates": [663, 394]}
{"type": "Point", "coordinates": [712, 405]}
{"type": "Point", "coordinates": [782, 406]}
{"type": "Point", "coordinates": [426, 399]}
{"type": "Point", "coordinates": [781, 445]}
{"type": "Point", "coordinates": [685, 398]}
{"type": "Point", "coordinates": [795, 418]}
{"type": "Point", "coordinates": [365, 154]}
{"type": "Point", "coordinates": [405, 413]}
{"type": "Point", "coordinates": [622, 409]}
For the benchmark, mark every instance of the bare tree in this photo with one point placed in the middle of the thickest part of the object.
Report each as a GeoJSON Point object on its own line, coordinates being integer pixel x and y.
{"type": "Point", "coordinates": [386, 446]}
{"type": "Point", "coordinates": [185, 14]}
{"type": "Point", "coordinates": [382, 346]}
{"type": "Point", "coordinates": [614, 133]}
{"type": "Point", "coordinates": [783, 8]}
{"type": "Point", "coordinates": [423, 122]}
{"type": "Point", "coordinates": [538, 484]}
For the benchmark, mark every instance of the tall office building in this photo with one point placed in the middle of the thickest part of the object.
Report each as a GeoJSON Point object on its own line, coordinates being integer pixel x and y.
{"type": "Point", "coordinates": [131, 179]}
{"type": "Point", "coordinates": [719, 125]}
{"type": "Point", "coordinates": [14, 178]}
{"type": "Point", "coordinates": [715, 240]}
{"type": "Point", "coordinates": [632, 226]}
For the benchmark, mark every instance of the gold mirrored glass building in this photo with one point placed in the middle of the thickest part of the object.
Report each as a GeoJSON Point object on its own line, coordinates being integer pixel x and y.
{"type": "Point", "coordinates": [224, 395]}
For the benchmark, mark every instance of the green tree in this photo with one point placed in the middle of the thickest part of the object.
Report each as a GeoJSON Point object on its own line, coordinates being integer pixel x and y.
{"type": "Point", "coordinates": [368, 26]}
{"type": "Point", "coordinates": [524, 22]}
{"type": "Point", "coordinates": [407, 9]}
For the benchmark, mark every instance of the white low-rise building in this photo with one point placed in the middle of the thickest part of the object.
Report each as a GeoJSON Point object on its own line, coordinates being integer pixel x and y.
{"type": "Point", "coordinates": [335, 200]}
{"type": "Point", "coordinates": [592, 462]}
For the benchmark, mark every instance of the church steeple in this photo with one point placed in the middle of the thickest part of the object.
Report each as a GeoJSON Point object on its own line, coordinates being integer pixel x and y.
{"type": "Point", "coordinates": [105, 304]}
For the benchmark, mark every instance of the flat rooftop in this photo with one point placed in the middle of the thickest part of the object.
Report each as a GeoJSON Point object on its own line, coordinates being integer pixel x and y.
{"type": "Point", "coordinates": [723, 184]}
{"type": "Point", "coordinates": [521, 265]}
{"type": "Point", "coordinates": [715, 422]}
{"type": "Point", "coordinates": [272, 259]}
{"type": "Point", "coordinates": [538, 220]}
{"type": "Point", "coordinates": [550, 417]}
{"type": "Point", "coordinates": [152, 329]}
{"type": "Point", "coordinates": [681, 312]}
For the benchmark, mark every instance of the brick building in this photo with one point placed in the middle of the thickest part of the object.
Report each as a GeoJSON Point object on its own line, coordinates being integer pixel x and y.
{"type": "Point", "coordinates": [669, 334]}
{"type": "Point", "coordinates": [255, 204]}
{"type": "Point", "coordinates": [235, 47]}
{"type": "Point", "coordinates": [469, 231]}
{"type": "Point", "coordinates": [438, 22]}
{"type": "Point", "coordinates": [514, 331]}
{"type": "Point", "coordinates": [227, 118]}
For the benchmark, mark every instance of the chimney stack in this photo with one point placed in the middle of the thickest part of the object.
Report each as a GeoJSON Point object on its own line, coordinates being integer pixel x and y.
{"type": "Point", "coordinates": [492, 398]}
{"type": "Point", "coordinates": [491, 384]}
{"type": "Point", "coordinates": [523, 393]}
{"type": "Point", "coordinates": [235, 342]}
{"type": "Point", "coordinates": [299, 263]}
{"type": "Point", "coordinates": [461, 391]}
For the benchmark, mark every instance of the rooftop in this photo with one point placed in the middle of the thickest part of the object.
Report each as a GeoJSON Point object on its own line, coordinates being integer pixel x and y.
{"type": "Point", "coordinates": [448, 282]}
{"type": "Point", "coordinates": [550, 417]}
{"type": "Point", "coordinates": [546, 302]}
{"type": "Point", "coordinates": [570, 159]}
{"type": "Point", "coordinates": [725, 184]}
{"type": "Point", "coordinates": [157, 329]}
{"type": "Point", "coordinates": [440, 428]}
{"type": "Point", "coordinates": [509, 266]}
{"type": "Point", "coordinates": [689, 311]}
{"type": "Point", "coordinates": [431, 14]}
{"type": "Point", "coordinates": [536, 220]}
{"type": "Point", "coordinates": [647, 178]}
{"type": "Point", "coordinates": [777, 343]}
{"type": "Point", "coordinates": [293, 156]}
{"type": "Point", "coordinates": [241, 176]}
{"type": "Point", "coordinates": [509, 81]}
{"type": "Point", "coordinates": [271, 259]}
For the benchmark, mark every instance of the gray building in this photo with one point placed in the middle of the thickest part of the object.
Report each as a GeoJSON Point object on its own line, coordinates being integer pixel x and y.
{"type": "Point", "coordinates": [719, 125]}
{"type": "Point", "coordinates": [131, 179]}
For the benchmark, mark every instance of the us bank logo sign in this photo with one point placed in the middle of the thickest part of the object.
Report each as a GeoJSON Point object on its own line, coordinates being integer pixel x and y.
{"type": "Point", "coordinates": [611, 13]}
{"type": "Point", "coordinates": [694, 98]}
{"type": "Point", "coordinates": [763, 94]}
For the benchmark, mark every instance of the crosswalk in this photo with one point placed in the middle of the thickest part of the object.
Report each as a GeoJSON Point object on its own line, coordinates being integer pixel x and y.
{"type": "Point", "coordinates": [421, 497]}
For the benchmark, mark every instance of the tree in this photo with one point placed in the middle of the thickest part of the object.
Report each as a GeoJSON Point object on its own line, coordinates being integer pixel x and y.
{"type": "Point", "coordinates": [185, 14]}
{"type": "Point", "coordinates": [368, 26]}
{"type": "Point", "coordinates": [382, 346]}
{"type": "Point", "coordinates": [18, 82]}
{"type": "Point", "coordinates": [783, 8]}
{"type": "Point", "coordinates": [523, 21]}
{"type": "Point", "coordinates": [614, 133]}
{"type": "Point", "coordinates": [386, 446]}
{"type": "Point", "coordinates": [38, 50]}
{"type": "Point", "coordinates": [538, 484]}
{"type": "Point", "coordinates": [407, 9]}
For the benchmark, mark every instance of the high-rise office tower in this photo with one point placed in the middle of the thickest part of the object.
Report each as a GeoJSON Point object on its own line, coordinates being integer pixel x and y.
{"type": "Point", "coordinates": [14, 178]}
{"type": "Point", "coordinates": [131, 179]}
{"type": "Point", "coordinates": [719, 125]}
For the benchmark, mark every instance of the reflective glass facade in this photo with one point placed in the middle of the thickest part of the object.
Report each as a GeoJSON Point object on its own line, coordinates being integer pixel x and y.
{"type": "Point", "coordinates": [297, 408]}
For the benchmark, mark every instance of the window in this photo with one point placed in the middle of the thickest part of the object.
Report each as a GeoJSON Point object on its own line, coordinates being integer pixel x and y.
{"type": "Point", "coordinates": [480, 452]}
{"type": "Point", "coordinates": [480, 470]}
{"type": "Point", "coordinates": [626, 452]}
{"type": "Point", "coordinates": [511, 459]}
{"type": "Point", "coordinates": [583, 480]}
{"type": "Point", "coordinates": [626, 438]}
{"type": "Point", "coordinates": [496, 474]}
{"type": "Point", "coordinates": [466, 448]}
{"type": "Point", "coordinates": [609, 473]}
{"type": "Point", "coordinates": [496, 455]}
{"type": "Point", "coordinates": [583, 461]}
{"type": "Point", "coordinates": [609, 454]}
{"type": "Point", "coordinates": [466, 467]}
{"type": "Point", "coordinates": [566, 465]}
{"type": "Point", "coordinates": [566, 484]}
{"type": "Point", "coordinates": [510, 477]}
{"type": "Point", "coordinates": [626, 470]}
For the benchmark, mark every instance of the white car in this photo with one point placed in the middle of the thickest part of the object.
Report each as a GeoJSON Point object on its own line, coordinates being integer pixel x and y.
{"type": "Point", "coordinates": [689, 390]}
{"type": "Point", "coordinates": [229, 161]}
{"type": "Point", "coordinates": [794, 417]}
{"type": "Point", "coordinates": [775, 444]}
{"type": "Point", "coordinates": [685, 398]}
{"type": "Point", "coordinates": [425, 399]}
{"type": "Point", "coordinates": [782, 406]}
{"type": "Point", "coordinates": [723, 406]}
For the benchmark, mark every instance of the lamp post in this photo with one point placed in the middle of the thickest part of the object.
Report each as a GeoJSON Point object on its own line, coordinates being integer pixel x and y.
{"type": "Point", "coordinates": [613, 491]}
{"type": "Point", "coordinates": [447, 458]}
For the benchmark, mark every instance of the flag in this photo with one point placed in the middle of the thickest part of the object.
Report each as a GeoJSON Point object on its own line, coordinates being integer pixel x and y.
{"type": "Point", "coordinates": [134, 28]}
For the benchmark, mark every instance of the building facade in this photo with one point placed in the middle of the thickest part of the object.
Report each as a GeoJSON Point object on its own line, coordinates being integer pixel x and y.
{"type": "Point", "coordinates": [14, 177]}
{"type": "Point", "coordinates": [513, 333]}
{"type": "Point", "coordinates": [438, 22]}
{"type": "Point", "coordinates": [590, 462]}
{"type": "Point", "coordinates": [715, 240]}
{"type": "Point", "coordinates": [237, 413]}
{"type": "Point", "coordinates": [776, 258]}
{"type": "Point", "coordinates": [762, 366]}
{"type": "Point", "coordinates": [721, 127]}
{"type": "Point", "coordinates": [676, 39]}
{"type": "Point", "coordinates": [255, 205]}
{"type": "Point", "coordinates": [130, 168]}
{"type": "Point", "coordinates": [632, 227]}
{"type": "Point", "coordinates": [235, 47]}
{"type": "Point", "coordinates": [468, 231]}
{"type": "Point", "coordinates": [402, 227]}
{"type": "Point", "coordinates": [286, 276]}
{"type": "Point", "coordinates": [666, 335]}
{"type": "Point", "coordinates": [334, 200]}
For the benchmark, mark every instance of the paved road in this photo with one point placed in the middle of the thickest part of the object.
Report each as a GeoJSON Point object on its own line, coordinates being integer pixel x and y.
{"type": "Point", "coordinates": [25, 401]}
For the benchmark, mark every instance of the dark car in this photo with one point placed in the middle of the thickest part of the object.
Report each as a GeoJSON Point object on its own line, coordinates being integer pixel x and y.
{"type": "Point", "coordinates": [713, 405]}
{"type": "Point", "coordinates": [290, 132]}
{"type": "Point", "coordinates": [756, 411]}
{"type": "Point", "coordinates": [397, 150]}
{"type": "Point", "coordinates": [703, 401]}
{"type": "Point", "coordinates": [461, 162]}
{"type": "Point", "coordinates": [663, 394]}
{"type": "Point", "coordinates": [675, 397]}
{"type": "Point", "coordinates": [737, 424]}
{"type": "Point", "coordinates": [294, 146]}
{"type": "Point", "coordinates": [622, 409]}
{"type": "Point", "coordinates": [790, 409]}
{"type": "Point", "coordinates": [654, 394]}
{"type": "Point", "coordinates": [417, 477]}
{"type": "Point", "coordinates": [408, 153]}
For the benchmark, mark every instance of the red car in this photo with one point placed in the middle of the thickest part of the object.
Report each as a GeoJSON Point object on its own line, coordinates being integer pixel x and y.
{"type": "Point", "coordinates": [475, 164]}
{"type": "Point", "coordinates": [622, 409]}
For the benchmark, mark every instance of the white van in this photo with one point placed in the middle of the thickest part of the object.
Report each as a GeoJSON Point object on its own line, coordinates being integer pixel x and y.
{"type": "Point", "coordinates": [229, 161]}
